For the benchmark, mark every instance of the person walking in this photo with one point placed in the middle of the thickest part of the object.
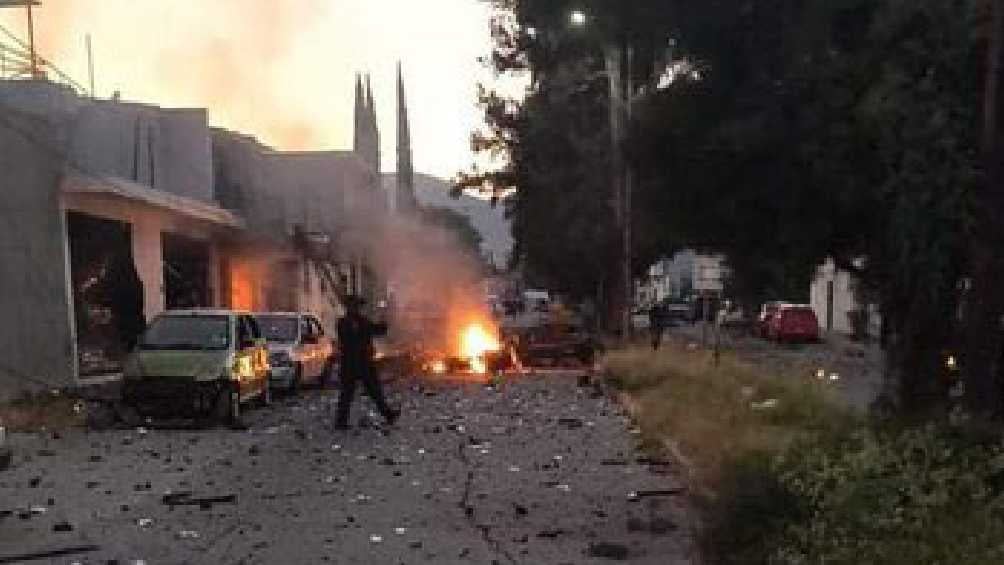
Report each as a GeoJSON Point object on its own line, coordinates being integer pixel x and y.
{"type": "Point", "coordinates": [656, 323]}
{"type": "Point", "coordinates": [355, 336]}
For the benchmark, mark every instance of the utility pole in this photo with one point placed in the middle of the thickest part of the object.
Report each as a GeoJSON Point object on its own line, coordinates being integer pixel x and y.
{"type": "Point", "coordinates": [90, 65]}
{"type": "Point", "coordinates": [626, 224]}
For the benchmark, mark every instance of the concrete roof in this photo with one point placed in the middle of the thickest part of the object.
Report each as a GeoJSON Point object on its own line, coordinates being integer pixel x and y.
{"type": "Point", "coordinates": [78, 183]}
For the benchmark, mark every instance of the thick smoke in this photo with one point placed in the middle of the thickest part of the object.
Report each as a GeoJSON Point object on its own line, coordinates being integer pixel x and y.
{"type": "Point", "coordinates": [435, 282]}
{"type": "Point", "coordinates": [227, 55]}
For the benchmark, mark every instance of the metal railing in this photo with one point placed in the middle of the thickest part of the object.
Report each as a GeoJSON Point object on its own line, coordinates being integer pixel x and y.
{"type": "Point", "coordinates": [16, 64]}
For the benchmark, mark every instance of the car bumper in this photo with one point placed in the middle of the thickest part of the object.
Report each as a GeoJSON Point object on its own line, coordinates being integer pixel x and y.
{"type": "Point", "coordinates": [171, 396]}
{"type": "Point", "coordinates": [282, 376]}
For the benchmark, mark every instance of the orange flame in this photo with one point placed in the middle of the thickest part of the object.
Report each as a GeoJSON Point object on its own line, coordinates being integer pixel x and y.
{"type": "Point", "coordinates": [475, 341]}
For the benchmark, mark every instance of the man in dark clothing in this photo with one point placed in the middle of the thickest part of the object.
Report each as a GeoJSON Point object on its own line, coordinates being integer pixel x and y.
{"type": "Point", "coordinates": [657, 323]}
{"type": "Point", "coordinates": [355, 336]}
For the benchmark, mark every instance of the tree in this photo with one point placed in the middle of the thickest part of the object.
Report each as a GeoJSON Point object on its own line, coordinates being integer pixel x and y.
{"type": "Point", "coordinates": [785, 132]}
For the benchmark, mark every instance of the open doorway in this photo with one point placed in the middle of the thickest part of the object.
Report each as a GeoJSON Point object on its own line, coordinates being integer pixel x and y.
{"type": "Point", "coordinates": [107, 292]}
{"type": "Point", "coordinates": [186, 272]}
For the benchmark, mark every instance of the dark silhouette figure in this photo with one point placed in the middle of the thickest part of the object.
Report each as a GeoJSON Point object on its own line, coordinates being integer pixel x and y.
{"type": "Point", "coordinates": [657, 323]}
{"type": "Point", "coordinates": [124, 294]}
{"type": "Point", "coordinates": [355, 336]}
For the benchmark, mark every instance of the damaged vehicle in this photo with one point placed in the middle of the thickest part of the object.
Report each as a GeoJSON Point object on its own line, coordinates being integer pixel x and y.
{"type": "Point", "coordinates": [298, 351]}
{"type": "Point", "coordinates": [200, 362]}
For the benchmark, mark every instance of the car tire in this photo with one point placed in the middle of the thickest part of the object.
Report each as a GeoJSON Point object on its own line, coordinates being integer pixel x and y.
{"type": "Point", "coordinates": [266, 394]}
{"type": "Point", "coordinates": [325, 377]}
{"type": "Point", "coordinates": [227, 410]}
{"type": "Point", "coordinates": [297, 381]}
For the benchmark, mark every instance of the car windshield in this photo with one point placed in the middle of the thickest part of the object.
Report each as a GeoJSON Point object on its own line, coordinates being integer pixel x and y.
{"type": "Point", "coordinates": [187, 333]}
{"type": "Point", "coordinates": [278, 329]}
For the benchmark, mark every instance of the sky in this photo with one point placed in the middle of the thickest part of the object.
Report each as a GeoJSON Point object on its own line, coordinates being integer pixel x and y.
{"type": "Point", "coordinates": [284, 70]}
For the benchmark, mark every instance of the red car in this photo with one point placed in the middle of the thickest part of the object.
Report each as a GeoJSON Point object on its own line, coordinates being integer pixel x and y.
{"type": "Point", "coordinates": [762, 325]}
{"type": "Point", "coordinates": [793, 323]}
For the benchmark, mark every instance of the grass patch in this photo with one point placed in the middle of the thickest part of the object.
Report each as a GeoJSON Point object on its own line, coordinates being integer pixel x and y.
{"type": "Point", "coordinates": [806, 480]}
{"type": "Point", "coordinates": [717, 413]}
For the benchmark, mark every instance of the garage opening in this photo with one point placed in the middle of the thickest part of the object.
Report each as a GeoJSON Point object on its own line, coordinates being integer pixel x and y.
{"type": "Point", "coordinates": [107, 292]}
{"type": "Point", "coordinates": [186, 272]}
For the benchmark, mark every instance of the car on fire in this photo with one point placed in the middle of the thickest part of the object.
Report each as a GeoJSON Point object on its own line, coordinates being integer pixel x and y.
{"type": "Point", "coordinates": [201, 362]}
{"type": "Point", "coordinates": [298, 350]}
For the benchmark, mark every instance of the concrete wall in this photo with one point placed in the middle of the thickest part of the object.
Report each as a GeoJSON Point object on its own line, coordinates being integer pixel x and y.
{"type": "Point", "coordinates": [39, 98]}
{"type": "Point", "coordinates": [185, 154]}
{"type": "Point", "coordinates": [36, 339]}
{"type": "Point", "coordinates": [166, 149]}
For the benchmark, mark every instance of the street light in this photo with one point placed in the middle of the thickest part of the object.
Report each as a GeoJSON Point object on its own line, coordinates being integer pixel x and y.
{"type": "Point", "coordinates": [621, 97]}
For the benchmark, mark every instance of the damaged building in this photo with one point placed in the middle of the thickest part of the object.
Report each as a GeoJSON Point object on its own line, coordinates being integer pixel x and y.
{"type": "Point", "coordinates": [114, 212]}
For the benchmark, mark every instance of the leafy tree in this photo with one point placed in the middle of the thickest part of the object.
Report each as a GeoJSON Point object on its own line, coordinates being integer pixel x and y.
{"type": "Point", "coordinates": [788, 131]}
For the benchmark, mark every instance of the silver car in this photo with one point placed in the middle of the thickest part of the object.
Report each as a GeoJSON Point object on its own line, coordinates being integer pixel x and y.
{"type": "Point", "coordinates": [298, 350]}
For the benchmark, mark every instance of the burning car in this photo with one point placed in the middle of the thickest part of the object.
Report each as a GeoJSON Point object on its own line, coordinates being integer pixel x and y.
{"type": "Point", "coordinates": [197, 362]}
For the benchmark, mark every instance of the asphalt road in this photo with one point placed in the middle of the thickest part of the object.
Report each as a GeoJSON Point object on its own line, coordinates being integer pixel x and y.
{"type": "Point", "coordinates": [538, 470]}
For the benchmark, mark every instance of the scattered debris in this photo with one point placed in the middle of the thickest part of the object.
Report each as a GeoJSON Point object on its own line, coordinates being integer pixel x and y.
{"type": "Point", "coordinates": [48, 554]}
{"type": "Point", "coordinates": [638, 495]}
{"type": "Point", "coordinates": [570, 423]}
{"type": "Point", "coordinates": [185, 499]}
{"type": "Point", "coordinates": [606, 550]}
{"type": "Point", "coordinates": [768, 404]}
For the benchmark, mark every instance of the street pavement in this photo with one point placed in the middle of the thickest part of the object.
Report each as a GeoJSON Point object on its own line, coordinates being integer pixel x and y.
{"type": "Point", "coordinates": [541, 469]}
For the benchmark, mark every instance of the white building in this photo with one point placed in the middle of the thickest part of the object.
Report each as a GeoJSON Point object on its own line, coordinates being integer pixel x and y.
{"type": "Point", "coordinates": [833, 298]}
{"type": "Point", "coordinates": [678, 277]}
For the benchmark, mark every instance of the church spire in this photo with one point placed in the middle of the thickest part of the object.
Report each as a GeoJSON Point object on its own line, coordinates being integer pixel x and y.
{"type": "Point", "coordinates": [358, 139]}
{"type": "Point", "coordinates": [405, 196]}
{"type": "Point", "coordinates": [374, 130]}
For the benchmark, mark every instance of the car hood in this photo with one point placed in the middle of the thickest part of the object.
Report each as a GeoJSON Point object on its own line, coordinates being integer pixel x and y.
{"type": "Point", "coordinates": [275, 347]}
{"type": "Point", "coordinates": [201, 365]}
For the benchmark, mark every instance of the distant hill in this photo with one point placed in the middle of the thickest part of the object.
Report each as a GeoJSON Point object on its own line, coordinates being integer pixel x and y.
{"type": "Point", "coordinates": [488, 220]}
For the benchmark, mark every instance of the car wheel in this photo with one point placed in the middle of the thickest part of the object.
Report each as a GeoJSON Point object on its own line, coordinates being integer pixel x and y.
{"type": "Point", "coordinates": [297, 381]}
{"type": "Point", "coordinates": [228, 406]}
{"type": "Point", "coordinates": [329, 367]}
{"type": "Point", "coordinates": [266, 394]}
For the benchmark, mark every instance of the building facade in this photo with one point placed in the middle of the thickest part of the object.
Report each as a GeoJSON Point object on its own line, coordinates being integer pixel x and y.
{"type": "Point", "coordinates": [834, 298]}
{"type": "Point", "coordinates": [115, 212]}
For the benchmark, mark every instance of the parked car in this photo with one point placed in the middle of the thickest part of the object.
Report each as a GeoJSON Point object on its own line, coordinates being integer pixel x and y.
{"type": "Point", "coordinates": [197, 362]}
{"type": "Point", "coordinates": [298, 351]}
{"type": "Point", "coordinates": [640, 318]}
{"type": "Point", "coordinates": [767, 311]}
{"type": "Point", "coordinates": [677, 313]}
{"type": "Point", "coordinates": [794, 323]}
{"type": "Point", "coordinates": [555, 344]}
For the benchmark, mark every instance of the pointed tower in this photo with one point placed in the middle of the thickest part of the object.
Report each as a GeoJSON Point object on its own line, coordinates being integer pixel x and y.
{"type": "Point", "coordinates": [405, 197]}
{"type": "Point", "coordinates": [360, 112]}
{"type": "Point", "coordinates": [374, 130]}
